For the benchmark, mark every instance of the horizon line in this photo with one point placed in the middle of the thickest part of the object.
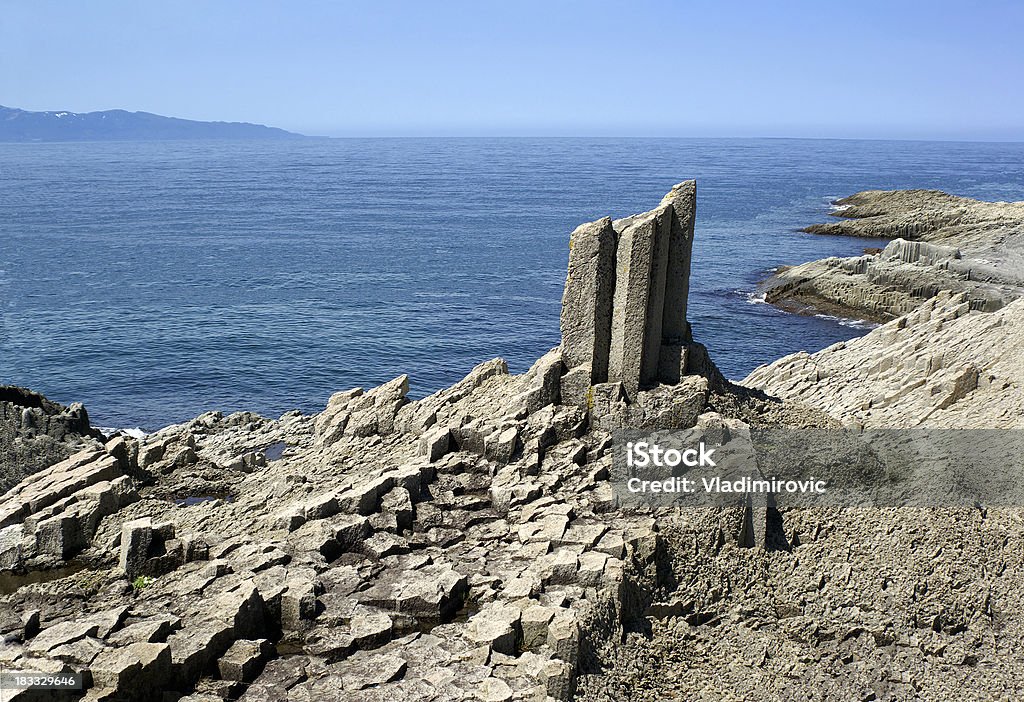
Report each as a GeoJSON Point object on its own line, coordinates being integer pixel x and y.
{"type": "Point", "coordinates": [964, 140]}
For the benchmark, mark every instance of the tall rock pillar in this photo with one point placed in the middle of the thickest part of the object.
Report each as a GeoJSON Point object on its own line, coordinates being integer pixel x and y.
{"type": "Point", "coordinates": [624, 307]}
{"type": "Point", "coordinates": [683, 199]}
{"type": "Point", "coordinates": [586, 320]}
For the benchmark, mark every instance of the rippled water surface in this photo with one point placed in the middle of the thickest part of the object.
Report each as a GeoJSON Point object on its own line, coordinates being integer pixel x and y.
{"type": "Point", "coordinates": [155, 281]}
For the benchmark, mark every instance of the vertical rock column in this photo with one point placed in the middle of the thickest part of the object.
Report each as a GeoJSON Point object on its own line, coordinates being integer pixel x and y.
{"type": "Point", "coordinates": [640, 268]}
{"type": "Point", "coordinates": [624, 307]}
{"type": "Point", "coordinates": [683, 199]}
{"type": "Point", "coordinates": [586, 320]}
{"type": "Point", "coordinates": [675, 332]}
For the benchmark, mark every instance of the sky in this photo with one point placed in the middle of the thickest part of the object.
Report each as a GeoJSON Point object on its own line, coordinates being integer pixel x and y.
{"type": "Point", "coordinates": [899, 69]}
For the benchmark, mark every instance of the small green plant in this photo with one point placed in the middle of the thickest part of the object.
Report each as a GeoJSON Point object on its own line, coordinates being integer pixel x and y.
{"type": "Point", "coordinates": [141, 583]}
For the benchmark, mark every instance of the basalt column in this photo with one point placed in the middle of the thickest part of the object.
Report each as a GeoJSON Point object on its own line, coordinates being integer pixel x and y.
{"type": "Point", "coordinates": [641, 265]}
{"type": "Point", "coordinates": [624, 307]}
{"type": "Point", "coordinates": [586, 320]}
{"type": "Point", "coordinates": [675, 330]}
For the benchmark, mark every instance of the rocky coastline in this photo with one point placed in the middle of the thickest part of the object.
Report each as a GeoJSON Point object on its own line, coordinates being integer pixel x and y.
{"type": "Point", "coordinates": [470, 545]}
{"type": "Point", "coordinates": [939, 242]}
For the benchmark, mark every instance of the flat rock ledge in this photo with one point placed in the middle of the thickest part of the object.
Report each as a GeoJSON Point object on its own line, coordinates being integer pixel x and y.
{"type": "Point", "coordinates": [940, 242]}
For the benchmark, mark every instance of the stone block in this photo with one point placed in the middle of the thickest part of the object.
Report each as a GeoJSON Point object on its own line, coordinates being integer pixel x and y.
{"type": "Point", "coordinates": [370, 628]}
{"type": "Point", "coordinates": [635, 269]}
{"type": "Point", "coordinates": [683, 199]}
{"type": "Point", "coordinates": [435, 443]}
{"type": "Point", "coordinates": [136, 541]}
{"type": "Point", "coordinates": [534, 623]}
{"type": "Point", "coordinates": [588, 297]}
{"type": "Point", "coordinates": [575, 387]}
{"type": "Point", "coordinates": [298, 604]}
{"type": "Point", "coordinates": [244, 661]}
{"type": "Point", "coordinates": [497, 627]}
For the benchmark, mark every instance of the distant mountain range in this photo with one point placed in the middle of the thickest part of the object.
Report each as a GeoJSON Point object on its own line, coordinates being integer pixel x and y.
{"type": "Point", "coordinates": [120, 125]}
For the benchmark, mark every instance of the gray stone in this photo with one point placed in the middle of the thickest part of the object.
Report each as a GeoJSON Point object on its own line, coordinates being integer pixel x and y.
{"type": "Point", "coordinates": [587, 298]}
{"type": "Point", "coordinates": [244, 661]}
{"type": "Point", "coordinates": [132, 669]}
{"type": "Point", "coordinates": [543, 381]}
{"type": "Point", "coordinates": [500, 446]}
{"type": "Point", "coordinates": [118, 448]}
{"type": "Point", "coordinates": [672, 363]}
{"type": "Point", "coordinates": [535, 622]}
{"type": "Point", "coordinates": [136, 541]}
{"type": "Point", "coordinates": [435, 443]}
{"type": "Point", "coordinates": [298, 604]}
{"type": "Point", "coordinates": [575, 387]}
{"type": "Point", "coordinates": [244, 609]}
{"type": "Point", "coordinates": [497, 627]}
{"type": "Point", "coordinates": [61, 634]}
{"type": "Point", "coordinates": [564, 636]}
{"type": "Point", "coordinates": [494, 690]}
{"type": "Point", "coordinates": [683, 198]}
{"type": "Point", "coordinates": [634, 272]}
{"type": "Point", "coordinates": [374, 670]}
{"type": "Point", "coordinates": [195, 648]}
{"type": "Point", "coordinates": [321, 506]}
{"type": "Point", "coordinates": [370, 628]}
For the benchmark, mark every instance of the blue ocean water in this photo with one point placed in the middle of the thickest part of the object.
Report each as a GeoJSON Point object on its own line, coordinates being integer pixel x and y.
{"type": "Point", "coordinates": [155, 281]}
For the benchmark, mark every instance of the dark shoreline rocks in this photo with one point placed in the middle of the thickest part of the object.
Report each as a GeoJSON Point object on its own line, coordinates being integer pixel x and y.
{"type": "Point", "coordinates": [36, 433]}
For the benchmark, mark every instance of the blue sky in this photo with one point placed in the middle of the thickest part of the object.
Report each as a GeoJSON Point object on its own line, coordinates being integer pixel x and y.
{"type": "Point", "coordinates": [896, 69]}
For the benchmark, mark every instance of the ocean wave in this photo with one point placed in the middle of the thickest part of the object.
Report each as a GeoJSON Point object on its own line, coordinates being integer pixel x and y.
{"type": "Point", "coordinates": [847, 322]}
{"type": "Point", "coordinates": [753, 298]}
{"type": "Point", "coordinates": [133, 432]}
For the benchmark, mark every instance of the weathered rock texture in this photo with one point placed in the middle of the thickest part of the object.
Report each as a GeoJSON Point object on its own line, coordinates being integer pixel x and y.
{"type": "Point", "coordinates": [624, 308]}
{"type": "Point", "coordinates": [36, 433]}
{"type": "Point", "coordinates": [941, 365]}
{"type": "Point", "coordinates": [941, 242]}
{"type": "Point", "coordinates": [455, 547]}
{"type": "Point", "coordinates": [628, 350]}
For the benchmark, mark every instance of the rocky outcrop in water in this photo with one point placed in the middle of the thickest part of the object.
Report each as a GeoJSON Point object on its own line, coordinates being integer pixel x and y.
{"type": "Point", "coordinates": [941, 243]}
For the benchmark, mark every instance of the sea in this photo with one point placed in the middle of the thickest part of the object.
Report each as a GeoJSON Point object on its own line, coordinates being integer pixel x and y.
{"type": "Point", "coordinates": [154, 281]}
